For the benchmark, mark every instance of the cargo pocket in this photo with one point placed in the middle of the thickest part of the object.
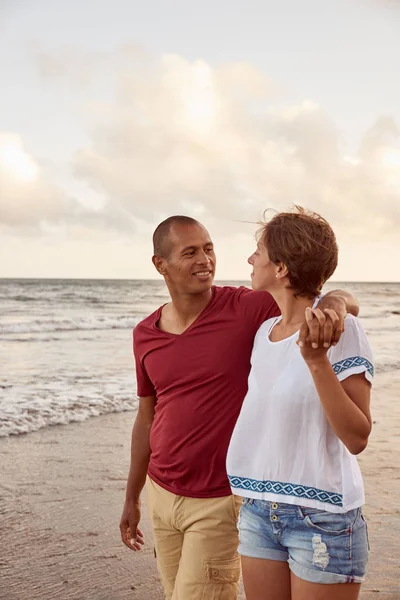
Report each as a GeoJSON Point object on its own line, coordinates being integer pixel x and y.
{"type": "Point", "coordinates": [222, 579]}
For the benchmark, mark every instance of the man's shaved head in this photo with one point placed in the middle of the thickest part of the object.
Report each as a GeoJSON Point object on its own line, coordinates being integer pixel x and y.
{"type": "Point", "coordinates": [161, 236]}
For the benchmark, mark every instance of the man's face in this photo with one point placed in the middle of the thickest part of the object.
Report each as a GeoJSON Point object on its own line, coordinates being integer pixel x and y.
{"type": "Point", "coordinates": [190, 264]}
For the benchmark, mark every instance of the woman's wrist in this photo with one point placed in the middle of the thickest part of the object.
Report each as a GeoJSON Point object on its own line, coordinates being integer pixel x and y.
{"type": "Point", "coordinates": [316, 364]}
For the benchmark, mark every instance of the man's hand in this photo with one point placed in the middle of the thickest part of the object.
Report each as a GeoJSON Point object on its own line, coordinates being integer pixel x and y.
{"type": "Point", "coordinates": [130, 533]}
{"type": "Point", "coordinates": [324, 324]}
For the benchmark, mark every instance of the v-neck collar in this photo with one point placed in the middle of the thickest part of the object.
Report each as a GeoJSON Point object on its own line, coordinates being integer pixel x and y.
{"type": "Point", "coordinates": [195, 322]}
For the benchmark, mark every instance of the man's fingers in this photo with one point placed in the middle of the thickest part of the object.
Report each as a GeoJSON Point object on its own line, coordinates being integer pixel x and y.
{"type": "Point", "coordinates": [127, 538]}
{"type": "Point", "coordinates": [138, 540]}
{"type": "Point", "coordinates": [338, 330]}
{"type": "Point", "coordinates": [315, 319]}
{"type": "Point", "coordinates": [329, 328]}
{"type": "Point", "coordinates": [131, 536]}
{"type": "Point", "coordinates": [317, 312]}
{"type": "Point", "coordinates": [303, 334]}
{"type": "Point", "coordinates": [135, 545]}
{"type": "Point", "coordinates": [331, 324]}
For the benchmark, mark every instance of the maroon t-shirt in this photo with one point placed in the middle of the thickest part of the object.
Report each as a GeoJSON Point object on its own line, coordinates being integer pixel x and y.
{"type": "Point", "coordinates": [200, 380]}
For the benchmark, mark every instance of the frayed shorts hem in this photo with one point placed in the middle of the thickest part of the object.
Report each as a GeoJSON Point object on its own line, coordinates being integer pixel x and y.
{"type": "Point", "coordinates": [304, 573]}
{"type": "Point", "coordinates": [324, 577]}
{"type": "Point", "coordinates": [265, 553]}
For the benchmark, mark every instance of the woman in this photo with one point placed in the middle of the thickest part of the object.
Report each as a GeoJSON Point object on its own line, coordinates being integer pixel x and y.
{"type": "Point", "coordinates": [306, 414]}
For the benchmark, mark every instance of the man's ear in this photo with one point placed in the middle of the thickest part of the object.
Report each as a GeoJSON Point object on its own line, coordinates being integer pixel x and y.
{"type": "Point", "coordinates": [159, 264]}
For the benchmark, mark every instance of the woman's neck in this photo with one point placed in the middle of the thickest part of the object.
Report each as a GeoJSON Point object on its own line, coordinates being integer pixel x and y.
{"type": "Point", "coordinates": [292, 308]}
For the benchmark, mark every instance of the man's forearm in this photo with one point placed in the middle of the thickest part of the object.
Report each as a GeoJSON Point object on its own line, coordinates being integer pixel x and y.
{"type": "Point", "coordinates": [140, 456]}
{"type": "Point", "coordinates": [352, 304]}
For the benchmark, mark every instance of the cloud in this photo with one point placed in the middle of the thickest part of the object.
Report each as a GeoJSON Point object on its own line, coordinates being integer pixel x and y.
{"type": "Point", "coordinates": [186, 137]}
{"type": "Point", "coordinates": [26, 197]}
{"type": "Point", "coordinates": [217, 142]}
{"type": "Point", "coordinates": [31, 202]}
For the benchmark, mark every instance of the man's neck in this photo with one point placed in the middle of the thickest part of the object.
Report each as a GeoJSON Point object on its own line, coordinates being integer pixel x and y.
{"type": "Point", "coordinates": [182, 311]}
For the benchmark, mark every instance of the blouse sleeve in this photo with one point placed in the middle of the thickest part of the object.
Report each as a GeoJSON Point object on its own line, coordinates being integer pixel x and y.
{"type": "Point", "coordinates": [353, 354]}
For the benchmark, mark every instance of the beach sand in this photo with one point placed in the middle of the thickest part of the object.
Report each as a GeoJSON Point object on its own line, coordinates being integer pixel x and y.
{"type": "Point", "coordinates": [61, 495]}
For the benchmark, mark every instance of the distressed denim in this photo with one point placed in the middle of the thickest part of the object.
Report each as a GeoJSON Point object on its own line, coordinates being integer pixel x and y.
{"type": "Point", "coordinates": [320, 547]}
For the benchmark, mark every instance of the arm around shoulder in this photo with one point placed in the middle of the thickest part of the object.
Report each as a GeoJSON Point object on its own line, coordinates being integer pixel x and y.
{"type": "Point", "coordinates": [350, 301]}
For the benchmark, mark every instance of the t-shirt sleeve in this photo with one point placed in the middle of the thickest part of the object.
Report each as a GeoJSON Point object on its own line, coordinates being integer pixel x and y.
{"type": "Point", "coordinates": [143, 382]}
{"type": "Point", "coordinates": [256, 306]}
{"type": "Point", "coordinates": [353, 354]}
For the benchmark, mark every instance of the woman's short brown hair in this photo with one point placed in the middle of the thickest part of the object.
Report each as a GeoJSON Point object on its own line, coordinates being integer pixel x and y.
{"type": "Point", "coordinates": [304, 242]}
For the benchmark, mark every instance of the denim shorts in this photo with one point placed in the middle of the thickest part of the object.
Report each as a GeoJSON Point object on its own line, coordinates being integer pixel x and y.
{"type": "Point", "coordinates": [320, 547]}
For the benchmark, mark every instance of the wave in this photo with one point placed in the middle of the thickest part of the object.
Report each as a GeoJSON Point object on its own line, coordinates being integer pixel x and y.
{"type": "Point", "coordinates": [76, 297]}
{"type": "Point", "coordinates": [91, 323]}
{"type": "Point", "coordinates": [387, 367]}
{"type": "Point", "coordinates": [20, 298]}
{"type": "Point", "coordinates": [34, 418]}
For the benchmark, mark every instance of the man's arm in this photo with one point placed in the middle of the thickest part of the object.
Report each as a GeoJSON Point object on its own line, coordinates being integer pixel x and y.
{"type": "Point", "coordinates": [325, 324]}
{"type": "Point", "coordinates": [351, 303]}
{"type": "Point", "coordinates": [140, 455]}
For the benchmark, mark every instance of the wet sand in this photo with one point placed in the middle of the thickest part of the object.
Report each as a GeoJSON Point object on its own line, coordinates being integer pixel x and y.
{"type": "Point", "coordinates": [61, 494]}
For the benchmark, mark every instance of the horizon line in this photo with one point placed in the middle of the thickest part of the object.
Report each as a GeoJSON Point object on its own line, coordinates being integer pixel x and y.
{"type": "Point", "coordinates": [159, 280]}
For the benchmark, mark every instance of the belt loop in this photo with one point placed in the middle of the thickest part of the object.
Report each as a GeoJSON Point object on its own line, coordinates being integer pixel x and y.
{"type": "Point", "coordinates": [300, 512]}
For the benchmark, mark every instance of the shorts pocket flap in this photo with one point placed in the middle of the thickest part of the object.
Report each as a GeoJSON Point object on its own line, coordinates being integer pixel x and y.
{"type": "Point", "coordinates": [223, 571]}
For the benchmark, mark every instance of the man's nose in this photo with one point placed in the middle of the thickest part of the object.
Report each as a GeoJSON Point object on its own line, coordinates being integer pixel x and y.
{"type": "Point", "coordinates": [203, 258]}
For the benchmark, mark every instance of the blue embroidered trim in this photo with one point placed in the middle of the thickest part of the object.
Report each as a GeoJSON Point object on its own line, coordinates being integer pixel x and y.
{"type": "Point", "coordinates": [354, 361]}
{"type": "Point", "coordinates": [286, 489]}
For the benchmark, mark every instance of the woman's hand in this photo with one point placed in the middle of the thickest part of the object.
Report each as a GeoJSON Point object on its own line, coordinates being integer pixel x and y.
{"type": "Point", "coordinates": [320, 330]}
{"type": "Point", "coordinates": [325, 324]}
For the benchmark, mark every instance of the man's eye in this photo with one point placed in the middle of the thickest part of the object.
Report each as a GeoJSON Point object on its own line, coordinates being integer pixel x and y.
{"type": "Point", "coordinates": [209, 249]}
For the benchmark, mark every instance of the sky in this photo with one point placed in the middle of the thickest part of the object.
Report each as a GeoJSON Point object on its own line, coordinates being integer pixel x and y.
{"type": "Point", "coordinates": [115, 114]}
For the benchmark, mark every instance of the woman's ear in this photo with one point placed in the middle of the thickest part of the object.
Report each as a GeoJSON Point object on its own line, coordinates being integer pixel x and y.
{"type": "Point", "coordinates": [282, 271]}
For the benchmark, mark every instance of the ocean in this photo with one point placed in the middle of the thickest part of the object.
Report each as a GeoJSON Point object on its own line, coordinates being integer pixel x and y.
{"type": "Point", "coordinates": [66, 345]}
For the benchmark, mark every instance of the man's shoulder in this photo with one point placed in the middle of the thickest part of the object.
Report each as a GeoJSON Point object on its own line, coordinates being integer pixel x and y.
{"type": "Point", "coordinates": [146, 324]}
{"type": "Point", "coordinates": [252, 297]}
{"type": "Point", "coordinates": [232, 291]}
{"type": "Point", "coordinates": [230, 295]}
{"type": "Point", "coordinates": [229, 290]}
{"type": "Point", "coordinates": [256, 306]}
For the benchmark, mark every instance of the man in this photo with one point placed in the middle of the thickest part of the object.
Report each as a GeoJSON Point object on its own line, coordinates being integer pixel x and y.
{"type": "Point", "coordinates": [192, 364]}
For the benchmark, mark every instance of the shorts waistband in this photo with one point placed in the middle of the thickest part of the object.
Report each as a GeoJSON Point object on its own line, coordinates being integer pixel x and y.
{"type": "Point", "coordinates": [282, 508]}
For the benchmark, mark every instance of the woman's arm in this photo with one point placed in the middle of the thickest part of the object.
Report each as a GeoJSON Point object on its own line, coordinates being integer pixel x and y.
{"type": "Point", "coordinates": [346, 403]}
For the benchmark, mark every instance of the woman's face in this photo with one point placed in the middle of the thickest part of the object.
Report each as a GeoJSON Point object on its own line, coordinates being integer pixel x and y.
{"type": "Point", "coordinates": [264, 272]}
